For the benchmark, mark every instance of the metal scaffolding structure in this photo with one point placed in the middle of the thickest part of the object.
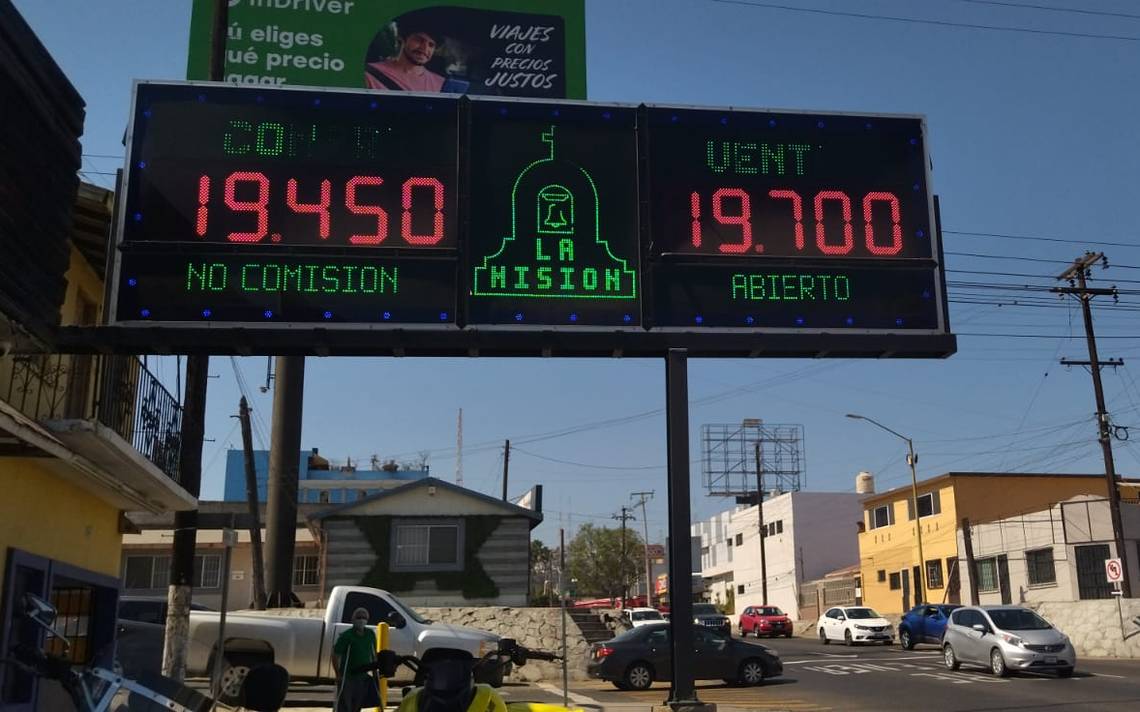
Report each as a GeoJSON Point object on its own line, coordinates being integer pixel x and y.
{"type": "Point", "coordinates": [728, 458]}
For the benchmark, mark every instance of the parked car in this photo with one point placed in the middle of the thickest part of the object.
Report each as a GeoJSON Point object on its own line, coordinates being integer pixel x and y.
{"type": "Point", "coordinates": [301, 639]}
{"type": "Point", "coordinates": [149, 609]}
{"type": "Point", "coordinates": [855, 624]}
{"type": "Point", "coordinates": [636, 617]}
{"type": "Point", "coordinates": [641, 656]}
{"type": "Point", "coordinates": [707, 615]}
{"type": "Point", "coordinates": [765, 620]}
{"type": "Point", "coordinates": [925, 623]}
{"type": "Point", "coordinates": [1006, 639]}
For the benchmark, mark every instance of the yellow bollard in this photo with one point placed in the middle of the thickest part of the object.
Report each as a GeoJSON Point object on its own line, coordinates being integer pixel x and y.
{"type": "Point", "coordinates": [382, 644]}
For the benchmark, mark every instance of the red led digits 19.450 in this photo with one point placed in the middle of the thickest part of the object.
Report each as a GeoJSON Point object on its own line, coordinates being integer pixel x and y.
{"type": "Point", "coordinates": [733, 207]}
{"type": "Point", "coordinates": [255, 194]}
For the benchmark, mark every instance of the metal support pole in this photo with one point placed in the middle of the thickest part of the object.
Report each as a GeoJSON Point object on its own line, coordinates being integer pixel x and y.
{"type": "Point", "coordinates": [762, 532]}
{"type": "Point", "coordinates": [251, 499]}
{"type": "Point", "coordinates": [281, 509]}
{"type": "Point", "coordinates": [562, 598]}
{"type": "Point", "coordinates": [229, 540]}
{"type": "Point", "coordinates": [682, 691]}
{"type": "Point", "coordinates": [644, 497]}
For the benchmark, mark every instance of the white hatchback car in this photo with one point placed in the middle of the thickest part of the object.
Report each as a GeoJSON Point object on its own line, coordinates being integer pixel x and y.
{"type": "Point", "coordinates": [855, 624]}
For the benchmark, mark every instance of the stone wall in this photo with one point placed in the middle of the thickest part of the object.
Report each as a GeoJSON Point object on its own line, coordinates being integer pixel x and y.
{"type": "Point", "coordinates": [536, 628]}
{"type": "Point", "coordinates": [1094, 626]}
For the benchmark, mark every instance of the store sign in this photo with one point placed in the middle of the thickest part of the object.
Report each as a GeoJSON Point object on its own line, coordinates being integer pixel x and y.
{"type": "Point", "coordinates": [265, 207]}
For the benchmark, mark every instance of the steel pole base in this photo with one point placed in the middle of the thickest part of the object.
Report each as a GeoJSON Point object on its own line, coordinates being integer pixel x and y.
{"type": "Point", "coordinates": [685, 706]}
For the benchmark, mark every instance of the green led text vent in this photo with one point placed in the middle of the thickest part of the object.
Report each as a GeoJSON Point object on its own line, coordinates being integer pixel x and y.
{"type": "Point", "coordinates": [556, 248]}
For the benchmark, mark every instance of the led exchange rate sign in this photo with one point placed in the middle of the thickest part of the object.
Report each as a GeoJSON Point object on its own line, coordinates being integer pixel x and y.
{"type": "Point", "coordinates": [519, 226]}
{"type": "Point", "coordinates": [791, 221]}
{"type": "Point", "coordinates": [554, 218]}
{"type": "Point", "coordinates": [247, 205]}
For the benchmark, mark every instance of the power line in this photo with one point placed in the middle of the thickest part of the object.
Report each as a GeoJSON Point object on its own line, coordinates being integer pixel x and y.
{"type": "Point", "coordinates": [1074, 10]}
{"type": "Point", "coordinates": [924, 21]}
{"type": "Point", "coordinates": [1039, 238]}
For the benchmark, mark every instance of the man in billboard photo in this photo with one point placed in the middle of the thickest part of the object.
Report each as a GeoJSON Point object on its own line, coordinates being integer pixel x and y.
{"type": "Point", "coordinates": [407, 70]}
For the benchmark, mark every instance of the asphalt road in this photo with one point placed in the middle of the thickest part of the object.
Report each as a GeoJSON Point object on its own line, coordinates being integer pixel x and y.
{"type": "Point", "coordinates": [835, 677]}
{"type": "Point", "coordinates": [818, 677]}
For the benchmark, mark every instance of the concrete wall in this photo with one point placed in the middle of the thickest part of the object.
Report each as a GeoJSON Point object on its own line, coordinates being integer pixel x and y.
{"type": "Point", "coordinates": [536, 628]}
{"type": "Point", "coordinates": [1095, 626]}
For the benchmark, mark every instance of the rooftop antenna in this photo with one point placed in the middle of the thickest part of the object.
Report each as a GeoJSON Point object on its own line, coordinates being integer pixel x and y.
{"type": "Point", "coordinates": [459, 450]}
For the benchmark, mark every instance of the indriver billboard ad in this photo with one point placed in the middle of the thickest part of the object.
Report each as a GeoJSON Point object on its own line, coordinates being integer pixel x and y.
{"type": "Point", "coordinates": [531, 48]}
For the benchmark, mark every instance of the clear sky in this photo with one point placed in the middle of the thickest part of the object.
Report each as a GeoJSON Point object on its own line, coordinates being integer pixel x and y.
{"type": "Point", "coordinates": [1032, 134]}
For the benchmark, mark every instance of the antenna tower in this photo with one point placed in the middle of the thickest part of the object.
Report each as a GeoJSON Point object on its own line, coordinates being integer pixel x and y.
{"type": "Point", "coordinates": [459, 450]}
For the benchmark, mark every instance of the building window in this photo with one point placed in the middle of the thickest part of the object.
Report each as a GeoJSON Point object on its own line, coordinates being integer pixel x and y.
{"type": "Point", "coordinates": [424, 546]}
{"type": "Point", "coordinates": [882, 575]}
{"type": "Point", "coordinates": [1039, 564]}
{"type": "Point", "coordinates": [926, 505]}
{"type": "Point", "coordinates": [323, 497]}
{"type": "Point", "coordinates": [740, 588]}
{"type": "Point", "coordinates": [779, 526]}
{"type": "Point", "coordinates": [153, 572]}
{"type": "Point", "coordinates": [987, 574]}
{"type": "Point", "coordinates": [933, 572]}
{"type": "Point", "coordinates": [739, 539]}
{"type": "Point", "coordinates": [305, 570]}
{"type": "Point", "coordinates": [896, 581]}
{"type": "Point", "coordinates": [882, 516]}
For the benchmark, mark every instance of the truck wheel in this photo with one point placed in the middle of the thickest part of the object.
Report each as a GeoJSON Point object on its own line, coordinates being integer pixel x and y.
{"type": "Point", "coordinates": [235, 666]}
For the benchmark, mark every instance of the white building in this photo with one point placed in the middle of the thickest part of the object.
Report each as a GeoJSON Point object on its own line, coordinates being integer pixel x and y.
{"type": "Point", "coordinates": [1055, 554]}
{"type": "Point", "coordinates": [807, 534]}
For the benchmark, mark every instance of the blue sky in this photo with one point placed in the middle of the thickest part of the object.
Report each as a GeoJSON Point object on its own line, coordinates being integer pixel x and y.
{"type": "Point", "coordinates": [1031, 135]}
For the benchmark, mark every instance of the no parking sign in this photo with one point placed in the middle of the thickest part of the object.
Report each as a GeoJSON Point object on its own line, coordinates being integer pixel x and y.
{"type": "Point", "coordinates": [1113, 570]}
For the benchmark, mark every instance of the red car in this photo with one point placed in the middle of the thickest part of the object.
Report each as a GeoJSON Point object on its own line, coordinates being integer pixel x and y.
{"type": "Point", "coordinates": [765, 621]}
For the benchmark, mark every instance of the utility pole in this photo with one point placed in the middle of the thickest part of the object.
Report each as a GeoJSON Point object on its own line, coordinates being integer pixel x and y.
{"type": "Point", "coordinates": [643, 498]}
{"type": "Point", "coordinates": [763, 531]}
{"type": "Point", "coordinates": [281, 504]}
{"type": "Point", "coordinates": [1077, 276]}
{"type": "Point", "coordinates": [506, 467]}
{"type": "Point", "coordinates": [251, 499]}
{"type": "Point", "coordinates": [624, 516]}
{"type": "Point", "coordinates": [176, 643]}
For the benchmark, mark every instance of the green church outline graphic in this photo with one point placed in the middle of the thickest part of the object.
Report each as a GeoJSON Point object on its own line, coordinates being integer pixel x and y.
{"type": "Point", "coordinates": [556, 216]}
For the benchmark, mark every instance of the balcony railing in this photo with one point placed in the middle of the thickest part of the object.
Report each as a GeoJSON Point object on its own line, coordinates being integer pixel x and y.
{"type": "Point", "coordinates": [116, 391]}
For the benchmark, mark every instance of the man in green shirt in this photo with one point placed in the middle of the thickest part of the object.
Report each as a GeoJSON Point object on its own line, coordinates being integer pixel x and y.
{"type": "Point", "coordinates": [355, 647]}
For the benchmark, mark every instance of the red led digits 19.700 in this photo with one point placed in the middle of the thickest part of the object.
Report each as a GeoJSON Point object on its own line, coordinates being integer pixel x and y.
{"type": "Point", "coordinates": [253, 192]}
{"type": "Point", "coordinates": [733, 207]}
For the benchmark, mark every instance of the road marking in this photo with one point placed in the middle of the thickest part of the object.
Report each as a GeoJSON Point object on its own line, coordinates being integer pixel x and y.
{"type": "Point", "coordinates": [580, 699]}
{"type": "Point", "coordinates": [1103, 674]}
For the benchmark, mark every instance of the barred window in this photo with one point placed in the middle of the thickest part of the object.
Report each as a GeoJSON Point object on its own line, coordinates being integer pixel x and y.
{"type": "Point", "coordinates": [305, 570]}
{"type": "Point", "coordinates": [987, 575]}
{"type": "Point", "coordinates": [934, 573]}
{"type": "Point", "coordinates": [1039, 564]}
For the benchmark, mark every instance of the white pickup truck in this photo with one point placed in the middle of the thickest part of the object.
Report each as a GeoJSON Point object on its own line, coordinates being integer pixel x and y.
{"type": "Point", "coordinates": [301, 639]}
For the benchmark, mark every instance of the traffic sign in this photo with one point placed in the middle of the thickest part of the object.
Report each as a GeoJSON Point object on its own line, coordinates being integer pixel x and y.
{"type": "Point", "coordinates": [1113, 570]}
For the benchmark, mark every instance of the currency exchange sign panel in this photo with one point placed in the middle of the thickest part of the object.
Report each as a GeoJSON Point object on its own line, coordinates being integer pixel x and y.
{"type": "Point", "coordinates": [796, 222]}
{"type": "Point", "coordinates": [257, 206]}
{"type": "Point", "coordinates": [554, 215]}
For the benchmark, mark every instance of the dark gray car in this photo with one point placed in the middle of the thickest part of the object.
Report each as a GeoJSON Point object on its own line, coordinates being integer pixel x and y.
{"type": "Point", "coordinates": [1006, 639]}
{"type": "Point", "coordinates": [707, 615]}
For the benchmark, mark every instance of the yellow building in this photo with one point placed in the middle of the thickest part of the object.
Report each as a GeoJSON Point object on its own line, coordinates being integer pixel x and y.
{"type": "Point", "coordinates": [888, 550]}
{"type": "Point", "coordinates": [83, 438]}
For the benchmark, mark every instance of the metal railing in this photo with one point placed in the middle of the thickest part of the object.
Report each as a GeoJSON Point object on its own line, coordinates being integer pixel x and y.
{"type": "Point", "coordinates": [117, 391]}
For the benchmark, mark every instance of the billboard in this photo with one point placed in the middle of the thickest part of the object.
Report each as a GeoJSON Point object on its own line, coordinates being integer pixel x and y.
{"type": "Point", "coordinates": [496, 223]}
{"type": "Point", "coordinates": [534, 48]}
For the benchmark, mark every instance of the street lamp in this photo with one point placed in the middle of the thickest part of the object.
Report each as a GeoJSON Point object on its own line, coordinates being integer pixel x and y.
{"type": "Point", "coordinates": [911, 459]}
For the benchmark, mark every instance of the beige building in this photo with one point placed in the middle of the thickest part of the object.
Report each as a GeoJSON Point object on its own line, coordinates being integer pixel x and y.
{"type": "Point", "coordinates": [146, 567]}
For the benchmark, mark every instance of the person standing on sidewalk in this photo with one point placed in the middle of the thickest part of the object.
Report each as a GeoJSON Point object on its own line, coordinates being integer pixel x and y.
{"type": "Point", "coordinates": [354, 648]}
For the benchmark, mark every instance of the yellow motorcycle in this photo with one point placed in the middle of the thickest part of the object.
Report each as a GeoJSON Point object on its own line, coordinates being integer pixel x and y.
{"type": "Point", "coordinates": [448, 680]}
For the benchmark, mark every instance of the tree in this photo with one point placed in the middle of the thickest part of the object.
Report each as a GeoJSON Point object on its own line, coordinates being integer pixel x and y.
{"type": "Point", "coordinates": [597, 563]}
{"type": "Point", "coordinates": [542, 572]}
